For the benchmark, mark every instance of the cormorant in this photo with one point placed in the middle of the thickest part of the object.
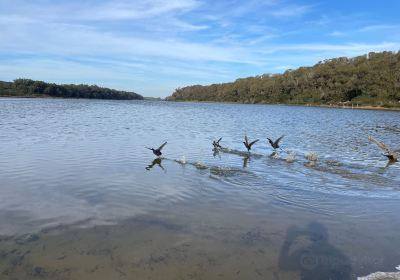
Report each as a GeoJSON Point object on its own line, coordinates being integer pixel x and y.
{"type": "Point", "coordinates": [216, 143]}
{"type": "Point", "coordinates": [157, 152]}
{"type": "Point", "coordinates": [247, 144]}
{"type": "Point", "coordinates": [275, 144]}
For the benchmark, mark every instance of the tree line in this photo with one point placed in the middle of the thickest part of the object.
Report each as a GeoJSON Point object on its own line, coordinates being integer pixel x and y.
{"type": "Point", "coordinates": [31, 88]}
{"type": "Point", "coordinates": [369, 80]}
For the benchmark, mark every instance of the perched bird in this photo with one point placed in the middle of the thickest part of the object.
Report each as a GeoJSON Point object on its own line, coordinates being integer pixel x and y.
{"type": "Point", "coordinates": [391, 155]}
{"type": "Point", "coordinates": [157, 152]}
{"type": "Point", "coordinates": [275, 144]}
{"type": "Point", "coordinates": [216, 143]}
{"type": "Point", "coordinates": [247, 144]}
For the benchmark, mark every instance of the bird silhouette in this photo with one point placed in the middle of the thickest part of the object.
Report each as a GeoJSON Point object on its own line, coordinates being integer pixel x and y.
{"type": "Point", "coordinates": [157, 152]}
{"type": "Point", "coordinates": [216, 143]}
{"type": "Point", "coordinates": [275, 144]}
{"type": "Point", "coordinates": [247, 144]}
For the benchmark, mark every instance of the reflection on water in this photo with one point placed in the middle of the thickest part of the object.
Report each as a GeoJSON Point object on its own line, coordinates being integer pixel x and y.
{"type": "Point", "coordinates": [216, 153]}
{"type": "Point", "coordinates": [156, 161]}
{"type": "Point", "coordinates": [245, 161]}
{"type": "Point", "coordinates": [308, 250]}
{"type": "Point", "coordinates": [81, 198]}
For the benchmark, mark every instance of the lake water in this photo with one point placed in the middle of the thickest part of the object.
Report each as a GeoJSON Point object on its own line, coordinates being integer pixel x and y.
{"type": "Point", "coordinates": [82, 198]}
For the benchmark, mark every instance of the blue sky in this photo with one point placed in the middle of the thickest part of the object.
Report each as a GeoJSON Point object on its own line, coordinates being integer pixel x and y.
{"type": "Point", "coordinates": [154, 46]}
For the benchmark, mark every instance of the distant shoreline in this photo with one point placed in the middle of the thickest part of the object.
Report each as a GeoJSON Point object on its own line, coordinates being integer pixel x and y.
{"type": "Point", "coordinates": [363, 107]}
{"type": "Point", "coordinates": [27, 96]}
{"type": "Point", "coordinates": [60, 97]}
{"type": "Point", "coordinates": [27, 88]}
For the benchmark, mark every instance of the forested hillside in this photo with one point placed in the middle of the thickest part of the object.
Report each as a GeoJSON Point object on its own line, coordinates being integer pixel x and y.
{"type": "Point", "coordinates": [30, 88]}
{"type": "Point", "coordinates": [369, 80]}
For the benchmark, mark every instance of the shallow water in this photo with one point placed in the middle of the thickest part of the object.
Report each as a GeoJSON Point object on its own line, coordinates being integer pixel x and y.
{"type": "Point", "coordinates": [81, 198]}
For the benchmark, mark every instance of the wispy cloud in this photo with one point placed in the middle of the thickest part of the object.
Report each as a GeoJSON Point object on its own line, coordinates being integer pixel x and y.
{"type": "Point", "coordinates": [291, 11]}
{"type": "Point", "coordinates": [379, 27]}
{"type": "Point", "coordinates": [125, 10]}
{"type": "Point", "coordinates": [348, 47]}
{"type": "Point", "coordinates": [337, 33]}
{"type": "Point", "coordinates": [77, 40]}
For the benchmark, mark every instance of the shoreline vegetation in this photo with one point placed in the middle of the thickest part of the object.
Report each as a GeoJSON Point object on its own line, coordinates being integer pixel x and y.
{"type": "Point", "coordinates": [370, 81]}
{"type": "Point", "coordinates": [333, 106]}
{"type": "Point", "coordinates": [39, 89]}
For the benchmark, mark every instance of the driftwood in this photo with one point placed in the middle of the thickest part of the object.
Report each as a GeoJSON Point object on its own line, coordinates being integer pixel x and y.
{"type": "Point", "coordinates": [390, 154]}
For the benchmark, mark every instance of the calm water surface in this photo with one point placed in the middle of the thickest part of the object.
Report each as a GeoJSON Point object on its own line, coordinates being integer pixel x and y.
{"type": "Point", "coordinates": [81, 197]}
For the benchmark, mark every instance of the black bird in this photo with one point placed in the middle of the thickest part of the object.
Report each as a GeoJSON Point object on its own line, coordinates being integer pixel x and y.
{"type": "Point", "coordinates": [247, 144]}
{"type": "Point", "coordinates": [275, 144]}
{"type": "Point", "coordinates": [216, 143]}
{"type": "Point", "coordinates": [157, 152]}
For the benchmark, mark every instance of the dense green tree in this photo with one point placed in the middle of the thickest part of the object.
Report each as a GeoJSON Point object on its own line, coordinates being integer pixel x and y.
{"type": "Point", "coordinates": [27, 87]}
{"type": "Point", "coordinates": [372, 79]}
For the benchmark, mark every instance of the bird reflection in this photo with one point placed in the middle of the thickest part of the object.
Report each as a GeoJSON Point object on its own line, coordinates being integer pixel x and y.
{"type": "Point", "coordinates": [274, 154]}
{"type": "Point", "coordinates": [156, 161]}
{"type": "Point", "coordinates": [216, 153]}
{"type": "Point", "coordinates": [245, 161]}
